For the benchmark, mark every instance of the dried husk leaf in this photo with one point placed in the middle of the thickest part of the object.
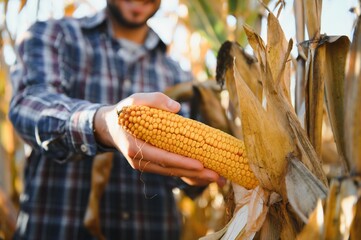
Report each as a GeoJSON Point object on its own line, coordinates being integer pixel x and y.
{"type": "Point", "coordinates": [337, 48]}
{"type": "Point", "coordinates": [277, 53]}
{"type": "Point", "coordinates": [278, 104]}
{"type": "Point", "coordinates": [280, 115]}
{"type": "Point", "coordinates": [257, 45]}
{"type": "Point", "coordinates": [352, 126]}
{"type": "Point", "coordinates": [313, 9]}
{"type": "Point", "coordinates": [307, 185]}
{"type": "Point", "coordinates": [267, 142]}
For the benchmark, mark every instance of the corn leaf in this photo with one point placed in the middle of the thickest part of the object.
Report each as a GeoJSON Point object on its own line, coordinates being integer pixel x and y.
{"type": "Point", "coordinates": [336, 53]}
{"type": "Point", "coordinates": [276, 50]}
{"type": "Point", "coordinates": [307, 185]}
{"type": "Point", "coordinates": [257, 45]}
{"type": "Point", "coordinates": [267, 142]}
{"type": "Point", "coordinates": [352, 126]}
{"type": "Point", "coordinates": [314, 104]}
{"type": "Point", "coordinates": [313, 9]}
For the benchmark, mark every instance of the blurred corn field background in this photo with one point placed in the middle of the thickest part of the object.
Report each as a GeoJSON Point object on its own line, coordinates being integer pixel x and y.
{"type": "Point", "coordinates": [290, 89]}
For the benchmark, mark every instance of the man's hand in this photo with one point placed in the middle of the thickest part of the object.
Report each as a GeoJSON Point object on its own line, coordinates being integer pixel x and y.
{"type": "Point", "coordinates": [143, 156]}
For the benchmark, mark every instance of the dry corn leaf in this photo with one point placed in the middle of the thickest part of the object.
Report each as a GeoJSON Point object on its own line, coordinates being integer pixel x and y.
{"type": "Point", "coordinates": [307, 185]}
{"type": "Point", "coordinates": [315, 74]}
{"type": "Point", "coordinates": [262, 128]}
{"type": "Point", "coordinates": [313, 9]}
{"type": "Point", "coordinates": [277, 53]}
{"type": "Point", "coordinates": [352, 126]}
{"type": "Point", "coordinates": [257, 45]}
{"type": "Point", "coordinates": [267, 142]}
{"type": "Point", "coordinates": [337, 48]}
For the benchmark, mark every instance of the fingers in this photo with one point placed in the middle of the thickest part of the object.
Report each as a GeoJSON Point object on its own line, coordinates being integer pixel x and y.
{"type": "Point", "coordinates": [161, 157]}
{"type": "Point", "coordinates": [192, 177]}
{"type": "Point", "coordinates": [155, 99]}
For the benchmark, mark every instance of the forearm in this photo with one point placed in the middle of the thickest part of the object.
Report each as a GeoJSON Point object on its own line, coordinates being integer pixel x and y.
{"type": "Point", "coordinates": [53, 123]}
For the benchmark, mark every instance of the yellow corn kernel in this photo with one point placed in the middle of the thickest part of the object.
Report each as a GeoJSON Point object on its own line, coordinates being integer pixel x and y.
{"type": "Point", "coordinates": [217, 150]}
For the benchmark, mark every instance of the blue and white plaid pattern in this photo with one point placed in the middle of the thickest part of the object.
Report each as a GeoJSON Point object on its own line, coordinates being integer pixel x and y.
{"type": "Point", "coordinates": [66, 69]}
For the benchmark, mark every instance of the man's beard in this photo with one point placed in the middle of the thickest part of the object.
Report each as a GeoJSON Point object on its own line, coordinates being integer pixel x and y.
{"type": "Point", "coordinates": [119, 18]}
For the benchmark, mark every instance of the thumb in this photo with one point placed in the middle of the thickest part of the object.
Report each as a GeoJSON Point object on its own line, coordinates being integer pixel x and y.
{"type": "Point", "coordinates": [155, 99]}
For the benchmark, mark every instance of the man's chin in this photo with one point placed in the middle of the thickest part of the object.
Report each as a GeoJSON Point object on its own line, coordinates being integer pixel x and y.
{"type": "Point", "coordinates": [122, 21]}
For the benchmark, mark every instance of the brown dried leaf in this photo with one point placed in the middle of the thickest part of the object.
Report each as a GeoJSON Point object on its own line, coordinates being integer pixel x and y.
{"type": "Point", "coordinates": [336, 53]}
{"type": "Point", "coordinates": [277, 52]}
{"type": "Point", "coordinates": [257, 45]}
{"type": "Point", "coordinates": [301, 182]}
{"type": "Point", "coordinates": [313, 9]}
{"type": "Point", "coordinates": [352, 126]}
{"type": "Point", "coordinates": [266, 140]}
{"type": "Point", "coordinates": [315, 73]}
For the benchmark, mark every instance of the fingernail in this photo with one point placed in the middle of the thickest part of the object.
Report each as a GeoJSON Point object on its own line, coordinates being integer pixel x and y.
{"type": "Point", "coordinates": [173, 104]}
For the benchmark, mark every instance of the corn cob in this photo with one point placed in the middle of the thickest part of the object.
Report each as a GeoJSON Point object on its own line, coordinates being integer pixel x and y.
{"type": "Point", "coordinates": [217, 150]}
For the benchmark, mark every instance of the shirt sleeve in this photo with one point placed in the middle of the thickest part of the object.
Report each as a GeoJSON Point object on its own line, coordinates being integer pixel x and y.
{"type": "Point", "coordinates": [40, 110]}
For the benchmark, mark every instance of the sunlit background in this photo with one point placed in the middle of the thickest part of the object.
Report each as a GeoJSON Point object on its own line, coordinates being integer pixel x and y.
{"type": "Point", "coordinates": [337, 19]}
{"type": "Point", "coordinates": [193, 41]}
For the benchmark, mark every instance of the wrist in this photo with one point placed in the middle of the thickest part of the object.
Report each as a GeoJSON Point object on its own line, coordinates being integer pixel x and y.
{"type": "Point", "coordinates": [100, 126]}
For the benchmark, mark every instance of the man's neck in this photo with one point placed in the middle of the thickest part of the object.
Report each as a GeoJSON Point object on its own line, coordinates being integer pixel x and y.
{"type": "Point", "coordinates": [136, 35]}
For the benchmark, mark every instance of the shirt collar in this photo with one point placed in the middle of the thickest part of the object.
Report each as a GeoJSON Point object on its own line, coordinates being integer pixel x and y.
{"type": "Point", "coordinates": [152, 41]}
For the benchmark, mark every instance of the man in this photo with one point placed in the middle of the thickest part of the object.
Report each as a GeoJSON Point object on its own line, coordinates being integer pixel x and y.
{"type": "Point", "coordinates": [71, 77]}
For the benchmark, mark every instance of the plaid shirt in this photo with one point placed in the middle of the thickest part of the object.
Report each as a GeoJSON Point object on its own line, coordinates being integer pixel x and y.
{"type": "Point", "coordinates": [66, 69]}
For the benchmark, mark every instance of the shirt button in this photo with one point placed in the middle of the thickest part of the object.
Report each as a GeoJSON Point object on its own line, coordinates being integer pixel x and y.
{"type": "Point", "coordinates": [83, 148]}
{"type": "Point", "coordinates": [125, 215]}
{"type": "Point", "coordinates": [127, 84]}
